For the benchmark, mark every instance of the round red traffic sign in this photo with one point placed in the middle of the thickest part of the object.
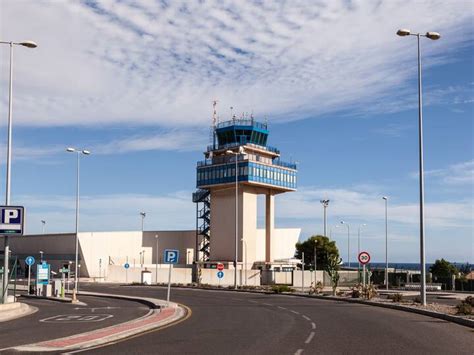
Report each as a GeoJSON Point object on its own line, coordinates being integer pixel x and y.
{"type": "Point", "coordinates": [220, 266]}
{"type": "Point", "coordinates": [364, 257]}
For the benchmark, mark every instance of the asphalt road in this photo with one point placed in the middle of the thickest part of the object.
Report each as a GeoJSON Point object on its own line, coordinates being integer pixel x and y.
{"type": "Point", "coordinates": [56, 319]}
{"type": "Point", "coordinates": [224, 322]}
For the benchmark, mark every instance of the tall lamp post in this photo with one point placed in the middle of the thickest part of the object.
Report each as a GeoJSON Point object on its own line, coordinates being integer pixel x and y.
{"type": "Point", "coordinates": [358, 246]}
{"type": "Point", "coordinates": [143, 214]}
{"type": "Point", "coordinates": [43, 222]}
{"type": "Point", "coordinates": [245, 261]}
{"type": "Point", "coordinates": [27, 44]}
{"type": "Point", "coordinates": [157, 259]}
{"type": "Point", "coordinates": [236, 154]}
{"type": "Point", "coordinates": [348, 242]}
{"type": "Point", "coordinates": [325, 204]}
{"type": "Point", "coordinates": [386, 243]}
{"type": "Point", "coordinates": [432, 36]}
{"type": "Point", "coordinates": [76, 278]}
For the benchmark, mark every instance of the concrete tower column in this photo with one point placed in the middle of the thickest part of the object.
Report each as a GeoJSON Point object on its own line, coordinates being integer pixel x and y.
{"type": "Point", "coordinates": [269, 225]}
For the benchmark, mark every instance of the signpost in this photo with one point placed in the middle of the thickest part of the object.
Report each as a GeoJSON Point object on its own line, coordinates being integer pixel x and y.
{"type": "Point", "coordinates": [171, 256]}
{"type": "Point", "coordinates": [11, 223]}
{"type": "Point", "coordinates": [11, 220]}
{"type": "Point", "coordinates": [364, 258]}
{"type": "Point", "coordinates": [126, 266]}
{"type": "Point", "coordinates": [220, 274]}
{"type": "Point", "coordinates": [30, 262]}
{"type": "Point", "coordinates": [220, 266]}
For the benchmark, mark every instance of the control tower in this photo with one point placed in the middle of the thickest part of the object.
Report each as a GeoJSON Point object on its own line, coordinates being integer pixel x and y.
{"type": "Point", "coordinates": [241, 144]}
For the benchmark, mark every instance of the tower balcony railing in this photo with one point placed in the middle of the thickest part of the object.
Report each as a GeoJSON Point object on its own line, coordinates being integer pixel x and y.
{"type": "Point", "coordinates": [227, 159]}
{"type": "Point", "coordinates": [210, 148]}
{"type": "Point", "coordinates": [242, 122]}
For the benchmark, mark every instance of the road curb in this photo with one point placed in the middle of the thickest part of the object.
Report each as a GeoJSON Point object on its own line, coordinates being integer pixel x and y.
{"type": "Point", "coordinates": [11, 311]}
{"type": "Point", "coordinates": [157, 317]}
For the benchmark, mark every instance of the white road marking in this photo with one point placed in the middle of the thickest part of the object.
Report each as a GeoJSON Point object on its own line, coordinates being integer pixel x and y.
{"type": "Point", "coordinates": [295, 312]}
{"type": "Point", "coordinates": [299, 351]}
{"type": "Point", "coordinates": [253, 301]}
{"type": "Point", "coordinates": [310, 337]}
{"type": "Point", "coordinates": [281, 307]}
{"type": "Point", "coordinates": [313, 325]}
{"type": "Point", "coordinates": [267, 304]}
{"type": "Point", "coordinates": [307, 318]}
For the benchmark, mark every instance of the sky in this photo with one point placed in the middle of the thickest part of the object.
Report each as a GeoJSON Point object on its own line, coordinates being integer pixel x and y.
{"type": "Point", "coordinates": [134, 81]}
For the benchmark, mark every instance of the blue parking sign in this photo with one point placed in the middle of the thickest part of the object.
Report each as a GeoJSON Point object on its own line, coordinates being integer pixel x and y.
{"type": "Point", "coordinates": [171, 256]}
{"type": "Point", "coordinates": [11, 220]}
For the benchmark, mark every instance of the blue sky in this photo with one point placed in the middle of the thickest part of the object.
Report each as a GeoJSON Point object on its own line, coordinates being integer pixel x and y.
{"type": "Point", "coordinates": [133, 81]}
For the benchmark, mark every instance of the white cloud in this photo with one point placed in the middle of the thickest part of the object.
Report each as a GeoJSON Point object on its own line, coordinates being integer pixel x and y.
{"type": "Point", "coordinates": [363, 205]}
{"type": "Point", "coordinates": [455, 174]}
{"type": "Point", "coordinates": [123, 62]}
{"type": "Point", "coordinates": [176, 140]}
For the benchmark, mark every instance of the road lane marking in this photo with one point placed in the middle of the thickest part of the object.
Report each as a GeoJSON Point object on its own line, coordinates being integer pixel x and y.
{"type": "Point", "coordinates": [299, 351]}
{"type": "Point", "coordinates": [281, 307]}
{"type": "Point", "coordinates": [313, 325]}
{"type": "Point", "coordinates": [253, 301]}
{"type": "Point", "coordinates": [295, 312]}
{"type": "Point", "coordinates": [307, 318]}
{"type": "Point", "coordinates": [310, 337]}
{"type": "Point", "coordinates": [267, 304]}
{"type": "Point", "coordinates": [76, 318]}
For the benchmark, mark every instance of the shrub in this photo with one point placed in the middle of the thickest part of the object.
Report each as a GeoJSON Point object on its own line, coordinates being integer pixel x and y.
{"type": "Point", "coordinates": [469, 300]}
{"type": "Point", "coordinates": [281, 288]}
{"type": "Point", "coordinates": [396, 297]}
{"type": "Point", "coordinates": [464, 308]}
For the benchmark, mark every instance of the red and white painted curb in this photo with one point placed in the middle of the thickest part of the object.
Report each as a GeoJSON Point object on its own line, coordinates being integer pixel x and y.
{"type": "Point", "coordinates": [156, 318]}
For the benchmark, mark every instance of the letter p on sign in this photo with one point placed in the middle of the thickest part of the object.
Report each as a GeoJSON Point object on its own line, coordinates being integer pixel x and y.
{"type": "Point", "coordinates": [171, 256]}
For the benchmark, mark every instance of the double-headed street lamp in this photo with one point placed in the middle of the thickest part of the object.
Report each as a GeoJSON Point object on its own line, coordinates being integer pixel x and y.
{"type": "Point", "coordinates": [27, 44]}
{"type": "Point", "coordinates": [348, 242]}
{"type": "Point", "coordinates": [78, 153]}
{"type": "Point", "coordinates": [236, 154]}
{"type": "Point", "coordinates": [432, 36]}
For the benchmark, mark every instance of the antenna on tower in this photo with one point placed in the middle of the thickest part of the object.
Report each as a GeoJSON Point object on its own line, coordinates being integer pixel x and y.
{"type": "Point", "coordinates": [214, 123]}
{"type": "Point", "coordinates": [214, 113]}
{"type": "Point", "coordinates": [232, 113]}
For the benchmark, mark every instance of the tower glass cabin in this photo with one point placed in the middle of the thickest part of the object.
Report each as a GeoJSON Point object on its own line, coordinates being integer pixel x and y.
{"type": "Point", "coordinates": [258, 164]}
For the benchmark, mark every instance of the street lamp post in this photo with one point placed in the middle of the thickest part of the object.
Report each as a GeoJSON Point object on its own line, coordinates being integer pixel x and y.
{"type": "Point", "coordinates": [41, 256]}
{"type": "Point", "coordinates": [236, 210]}
{"type": "Point", "coordinates": [348, 243]}
{"type": "Point", "coordinates": [143, 214]}
{"type": "Point", "coordinates": [157, 259]}
{"type": "Point", "coordinates": [245, 261]}
{"type": "Point", "coordinates": [76, 265]}
{"type": "Point", "coordinates": [325, 204]}
{"type": "Point", "coordinates": [432, 36]}
{"type": "Point", "coordinates": [43, 222]}
{"type": "Point", "coordinates": [358, 246]}
{"type": "Point", "coordinates": [386, 243]}
{"type": "Point", "coordinates": [28, 44]}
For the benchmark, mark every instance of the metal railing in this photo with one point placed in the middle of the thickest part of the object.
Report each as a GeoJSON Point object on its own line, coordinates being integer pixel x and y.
{"type": "Point", "coordinates": [228, 159]}
{"type": "Point", "coordinates": [242, 122]}
{"type": "Point", "coordinates": [211, 148]}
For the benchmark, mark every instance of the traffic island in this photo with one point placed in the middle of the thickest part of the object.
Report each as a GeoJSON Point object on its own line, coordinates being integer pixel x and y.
{"type": "Point", "coordinates": [14, 310]}
{"type": "Point", "coordinates": [157, 317]}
